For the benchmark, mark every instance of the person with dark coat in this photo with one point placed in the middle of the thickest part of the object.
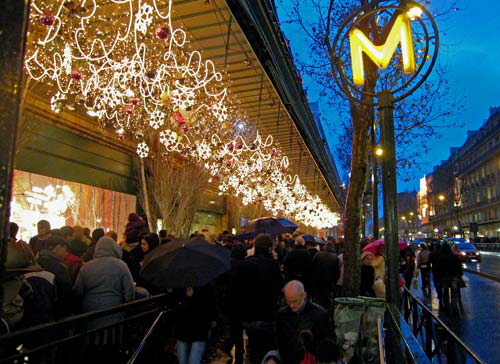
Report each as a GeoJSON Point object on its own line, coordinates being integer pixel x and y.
{"type": "Point", "coordinates": [235, 338]}
{"type": "Point", "coordinates": [367, 275]}
{"type": "Point", "coordinates": [52, 260]}
{"type": "Point", "coordinates": [311, 248]}
{"type": "Point", "coordinates": [149, 242]}
{"type": "Point", "coordinates": [39, 241]}
{"type": "Point", "coordinates": [256, 289]}
{"type": "Point", "coordinates": [135, 228]}
{"type": "Point", "coordinates": [195, 311]}
{"type": "Point", "coordinates": [299, 319]}
{"type": "Point", "coordinates": [407, 267]}
{"type": "Point", "coordinates": [325, 273]}
{"type": "Point", "coordinates": [450, 270]}
{"type": "Point", "coordinates": [436, 274]}
{"type": "Point", "coordinates": [423, 264]}
{"type": "Point", "coordinates": [297, 264]}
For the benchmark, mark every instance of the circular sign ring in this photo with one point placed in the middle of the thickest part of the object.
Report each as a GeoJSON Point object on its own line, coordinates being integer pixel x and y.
{"type": "Point", "coordinates": [343, 81]}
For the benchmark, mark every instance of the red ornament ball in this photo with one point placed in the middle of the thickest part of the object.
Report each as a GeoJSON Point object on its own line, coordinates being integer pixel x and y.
{"type": "Point", "coordinates": [273, 152]}
{"type": "Point", "coordinates": [128, 109]}
{"type": "Point", "coordinates": [47, 19]}
{"type": "Point", "coordinates": [134, 100]}
{"type": "Point", "coordinates": [76, 75]}
{"type": "Point", "coordinates": [120, 136]}
{"type": "Point", "coordinates": [162, 32]}
{"type": "Point", "coordinates": [230, 147]}
{"type": "Point", "coordinates": [239, 145]}
{"type": "Point", "coordinates": [282, 169]}
{"type": "Point", "coordinates": [228, 164]}
{"type": "Point", "coordinates": [184, 128]}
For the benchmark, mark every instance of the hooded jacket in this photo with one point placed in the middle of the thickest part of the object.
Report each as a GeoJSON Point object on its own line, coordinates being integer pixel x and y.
{"type": "Point", "coordinates": [105, 281]}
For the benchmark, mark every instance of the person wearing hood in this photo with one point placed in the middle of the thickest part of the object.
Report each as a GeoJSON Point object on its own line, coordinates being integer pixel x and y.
{"type": "Point", "coordinates": [105, 281]}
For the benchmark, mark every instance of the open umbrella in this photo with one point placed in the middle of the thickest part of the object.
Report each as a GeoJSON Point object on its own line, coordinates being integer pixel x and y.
{"type": "Point", "coordinates": [312, 239]}
{"type": "Point", "coordinates": [185, 263]}
{"type": "Point", "coordinates": [268, 225]}
{"type": "Point", "coordinates": [374, 246]}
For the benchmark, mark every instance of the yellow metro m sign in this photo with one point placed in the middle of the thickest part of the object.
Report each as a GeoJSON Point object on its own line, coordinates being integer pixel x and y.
{"type": "Point", "coordinates": [381, 55]}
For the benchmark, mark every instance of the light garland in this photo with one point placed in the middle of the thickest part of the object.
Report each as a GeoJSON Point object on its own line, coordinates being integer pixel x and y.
{"type": "Point", "coordinates": [126, 64]}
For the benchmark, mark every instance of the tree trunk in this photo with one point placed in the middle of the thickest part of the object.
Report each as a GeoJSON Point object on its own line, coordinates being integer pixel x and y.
{"type": "Point", "coordinates": [362, 119]}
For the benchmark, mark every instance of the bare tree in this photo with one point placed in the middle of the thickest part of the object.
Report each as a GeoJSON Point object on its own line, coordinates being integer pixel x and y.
{"type": "Point", "coordinates": [174, 188]}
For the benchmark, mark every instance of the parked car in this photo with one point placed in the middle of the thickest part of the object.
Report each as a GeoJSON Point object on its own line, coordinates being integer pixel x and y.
{"type": "Point", "coordinates": [468, 251]}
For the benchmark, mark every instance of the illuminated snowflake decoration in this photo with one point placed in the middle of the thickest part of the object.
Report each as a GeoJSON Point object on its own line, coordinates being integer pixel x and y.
{"type": "Point", "coordinates": [142, 150]}
{"type": "Point", "coordinates": [203, 151]}
{"type": "Point", "coordinates": [55, 102]}
{"type": "Point", "coordinates": [144, 18]}
{"type": "Point", "coordinates": [168, 137]}
{"type": "Point", "coordinates": [183, 98]}
{"type": "Point", "coordinates": [220, 111]}
{"type": "Point", "coordinates": [157, 119]}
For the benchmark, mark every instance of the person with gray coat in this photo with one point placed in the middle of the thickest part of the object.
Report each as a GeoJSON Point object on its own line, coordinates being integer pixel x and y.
{"type": "Point", "coordinates": [105, 281]}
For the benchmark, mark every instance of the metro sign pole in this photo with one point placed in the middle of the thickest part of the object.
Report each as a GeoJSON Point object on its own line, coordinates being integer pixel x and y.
{"type": "Point", "coordinates": [398, 28]}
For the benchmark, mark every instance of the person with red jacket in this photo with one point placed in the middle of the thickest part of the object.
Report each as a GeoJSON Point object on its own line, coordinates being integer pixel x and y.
{"type": "Point", "coordinates": [73, 259]}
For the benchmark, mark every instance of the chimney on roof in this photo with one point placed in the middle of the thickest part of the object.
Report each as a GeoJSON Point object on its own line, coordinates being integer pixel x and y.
{"type": "Point", "coordinates": [494, 110]}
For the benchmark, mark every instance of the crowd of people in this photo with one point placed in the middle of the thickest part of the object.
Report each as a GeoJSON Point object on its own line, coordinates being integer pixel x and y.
{"type": "Point", "coordinates": [279, 291]}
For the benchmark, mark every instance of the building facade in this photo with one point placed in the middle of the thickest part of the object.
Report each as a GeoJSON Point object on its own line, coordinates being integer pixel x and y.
{"type": "Point", "coordinates": [462, 195]}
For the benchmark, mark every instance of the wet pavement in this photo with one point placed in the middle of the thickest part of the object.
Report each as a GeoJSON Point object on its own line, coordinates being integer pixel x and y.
{"type": "Point", "coordinates": [490, 264]}
{"type": "Point", "coordinates": [479, 326]}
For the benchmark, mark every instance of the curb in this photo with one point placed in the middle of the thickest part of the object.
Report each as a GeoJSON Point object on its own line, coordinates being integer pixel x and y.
{"type": "Point", "coordinates": [484, 275]}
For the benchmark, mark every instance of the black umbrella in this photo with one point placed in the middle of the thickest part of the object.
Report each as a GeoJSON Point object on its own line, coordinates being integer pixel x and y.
{"type": "Point", "coordinates": [185, 263]}
{"type": "Point", "coordinates": [312, 239]}
{"type": "Point", "coordinates": [267, 225]}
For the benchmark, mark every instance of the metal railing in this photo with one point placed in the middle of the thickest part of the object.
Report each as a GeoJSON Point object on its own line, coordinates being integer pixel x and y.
{"type": "Point", "coordinates": [107, 336]}
{"type": "Point", "coordinates": [439, 343]}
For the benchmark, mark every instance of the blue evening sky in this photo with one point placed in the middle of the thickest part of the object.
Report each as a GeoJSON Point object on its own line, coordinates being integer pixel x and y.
{"type": "Point", "coordinates": [470, 51]}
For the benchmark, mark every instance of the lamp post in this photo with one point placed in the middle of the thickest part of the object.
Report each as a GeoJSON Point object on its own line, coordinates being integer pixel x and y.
{"type": "Point", "coordinates": [397, 22]}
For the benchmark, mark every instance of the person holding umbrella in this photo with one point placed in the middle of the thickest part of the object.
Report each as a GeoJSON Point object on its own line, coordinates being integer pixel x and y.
{"type": "Point", "coordinates": [195, 314]}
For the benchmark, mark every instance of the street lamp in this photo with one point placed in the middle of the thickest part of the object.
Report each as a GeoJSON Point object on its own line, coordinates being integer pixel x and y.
{"type": "Point", "coordinates": [441, 197]}
{"type": "Point", "coordinates": [379, 151]}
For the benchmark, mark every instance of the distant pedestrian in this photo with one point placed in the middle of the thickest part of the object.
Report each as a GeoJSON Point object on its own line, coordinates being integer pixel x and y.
{"type": "Point", "coordinates": [407, 268]}
{"type": "Point", "coordinates": [436, 272]}
{"type": "Point", "coordinates": [423, 263]}
{"type": "Point", "coordinates": [450, 268]}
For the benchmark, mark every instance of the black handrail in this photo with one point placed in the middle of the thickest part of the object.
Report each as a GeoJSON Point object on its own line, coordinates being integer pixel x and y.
{"type": "Point", "coordinates": [63, 340]}
{"type": "Point", "coordinates": [141, 346]}
{"type": "Point", "coordinates": [430, 320]}
{"type": "Point", "coordinates": [84, 317]}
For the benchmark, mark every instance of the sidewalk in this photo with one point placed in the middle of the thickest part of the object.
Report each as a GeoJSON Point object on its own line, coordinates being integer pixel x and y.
{"type": "Point", "coordinates": [479, 326]}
